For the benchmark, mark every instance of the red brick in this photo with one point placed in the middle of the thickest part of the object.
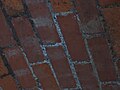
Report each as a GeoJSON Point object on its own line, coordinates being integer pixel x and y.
{"type": "Point", "coordinates": [13, 6]}
{"type": "Point", "coordinates": [111, 87]}
{"type": "Point", "coordinates": [20, 67]}
{"type": "Point", "coordinates": [88, 16]}
{"type": "Point", "coordinates": [61, 67]}
{"type": "Point", "coordinates": [73, 37]}
{"type": "Point", "coordinates": [8, 83]}
{"type": "Point", "coordinates": [38, 8]}
{"type": "Point", "coordinates": [5, 35]}
{"type": "Point", "coordinates": [43, 21]}
{"type": "Point", "coordinates": [108, 2]}
{"type": "Point", "coordinates": [87, 77]}
{"type": "Point", "coordinates": [114, 24]}
{"type": "Point", "coordinates": [48, 35]}
{"type": "Point", "coordinates": [102, 58]}
{"type": "Point", "coordinates": [3, 69]}
{"type": "Point", "coordinates": [28, 40]}
{"type": "Point", "coordinates": [46, 77]}
{"type": "Point", "coordinates": [61, 5]}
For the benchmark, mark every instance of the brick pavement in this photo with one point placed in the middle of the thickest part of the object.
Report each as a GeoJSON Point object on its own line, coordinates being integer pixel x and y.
{"type": "Point", "coordinates": [59, 45]}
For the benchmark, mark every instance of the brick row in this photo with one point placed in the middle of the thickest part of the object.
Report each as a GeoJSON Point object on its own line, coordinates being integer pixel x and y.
{"type": "Point", "coordinates": [61, 5]}
{"type": "Point", "coordinates": [102, 58]}
{"type": "Point", "coordinates": [45, 75]}
{"type": "Point", "coordinates": [87, 77]}
{"type": "Point", "coordinates": [28, 40]}
{"type": "Point", "coordinates": [6, 38]}
{"type": "Point", "coordinates": [13, 7]}
{"type": "Point", "coordinates": [8, 83]}
{"type": "Point", "coordinates": [114, 27]}
{"type": "Point", "coordinates": [73, 37]}
{"type": "Point", "coordinates": [19, 66]}
{"type": "Point", "coordinates": [88, 14]}
{"type": "Point", "coordinates": [108, 2]}
{"type": "Point", "coordinates": [61, 67]}
{"type": "Point", "coordinates": [43, 21]}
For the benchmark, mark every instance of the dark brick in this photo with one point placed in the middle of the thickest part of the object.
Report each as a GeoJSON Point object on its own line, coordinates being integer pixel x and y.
{"type": "Point", "coordinates": [112, 18]}
{"type": "Point", "coordinates": [108, 2]}
{"type": "Point", "coordinates": [61, 67]}
{"type": "Point", "coordinates": [102, 58]}
{"type": "Point", "coordinates": [87, 77]}
{"type": "Point", "coordinates": [61, 5]}
{"type": "Point", "coordinates": [48, 35]}
{"type": "Point", "coordinates": [46, 77]}
{"type": "Point", "coordinates": [73, 37]}
{"type": "Point", "coordinates": [88, 16]}
{"type": "Point", "coordinates": [8, 83]}
{"type": "Point", "coordinates": [5, 35]}
{"type": "Point", "coordinates": [13, 7]}
{"type": "Point", "coordinates": [28, 40]}
{"type": "Point", "coordinates": [20, 67]}
{"type": "Point", "coordinates": [43, 21]}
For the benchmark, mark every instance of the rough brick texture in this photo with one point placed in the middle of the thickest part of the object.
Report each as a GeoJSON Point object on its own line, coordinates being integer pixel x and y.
{"type": "Point", "coordinates": [59, 44]}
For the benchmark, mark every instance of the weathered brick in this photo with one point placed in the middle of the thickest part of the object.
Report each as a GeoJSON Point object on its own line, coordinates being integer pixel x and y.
{"type": "Point", "coordinates": [8, 83]}
{"type": "Point", "coordinates": [108, 2]}
{"type": "Point", "coordinates": [46, 77]}
{"type": "Point", "coordinates": [61, 67]}
{"type": "Point", "coordinates": [20, 67]}
{"type": "Point", "coordinates": [61, 5]}
{"type": "Point", "coordinates": [38, 8]}
{"type": "Point", "coordinates": [73, 37]}
{"type": "Point", "coordinates": [48, 35]}
{"type": "Point", "coordinates": [86, 76]}
{"type": "Point", "coordinates": [102, 58]}
{"type": "Point", "coordinates": [13, 7]}
{"type": "Point", "coordinates": [28, 40]}
{"type": "Point", "coordinates": [88, 16]}
{"type": "Point", "coordinates": [111, 87]}
{"type": "Point", "coordinates": [112, 18]}
{"type": "Point", "coordinates": [5, 35]}
{"type": "Point", "coordinates": [43, 21]}
{"type": "Point", "coordinates": [3, 69]}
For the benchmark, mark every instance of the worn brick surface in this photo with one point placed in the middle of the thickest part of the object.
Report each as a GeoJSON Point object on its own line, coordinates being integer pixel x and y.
{"type": "Point", "coordinates": [87, 10]}
{"type": "Point", "coordinates": [102, 58]}
{"type": "Point", "coordinates": [46, 77]}
{"type": "Point", "coordinates": [13, 7]}
{"type": "Point", "coordinates": [59, 44]}
{"type": "Point", "coordinates": [73, 37]}
{"type": "Point", "coordinates": [20, 67]}
{"type": "Point", "coordinates": [114, 25]}
{"type": "Point", "coordinates": [43, 20]}
{"type": "Point", "coordinates": [5, 34]}
{"type": "Point", "coordinates": [61, 5]}
{"type": "Point", "coordinates": [87, 77]}
{"type": "Point", "coordinates": [108, 2]}
{"type": "Point", "coordinates": [28, 40]}
{"type": "Point", "coordinates": [59, 60]}
{"type": "Point", "coordinates": [8, 83]}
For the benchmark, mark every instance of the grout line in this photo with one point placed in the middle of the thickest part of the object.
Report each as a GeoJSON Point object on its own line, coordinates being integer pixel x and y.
{"type": "Point", "coordinates": [41, 44]}
{"type": "Point", "coordinates": [90, 55]}
{"type": "Point", "coordinates": [54, 16]}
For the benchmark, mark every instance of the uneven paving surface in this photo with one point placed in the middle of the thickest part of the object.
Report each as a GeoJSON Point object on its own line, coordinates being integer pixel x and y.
{"type": "Point", "coordinates": [59, 44]}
